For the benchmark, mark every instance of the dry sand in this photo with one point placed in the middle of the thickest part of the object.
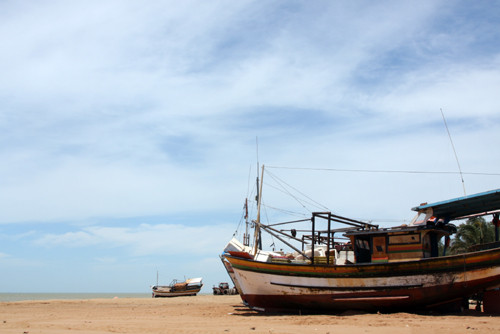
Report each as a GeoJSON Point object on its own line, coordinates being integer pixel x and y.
{"type": "Point", "coordinates": [215, 314]}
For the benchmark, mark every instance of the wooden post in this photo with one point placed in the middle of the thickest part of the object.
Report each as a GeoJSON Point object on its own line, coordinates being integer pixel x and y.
{"type": "Point", "coordinates": [313, 238]}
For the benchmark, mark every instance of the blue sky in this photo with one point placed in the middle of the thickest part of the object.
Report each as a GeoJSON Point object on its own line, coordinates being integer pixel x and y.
{"type": "Point", "coordinates": [128, 129]}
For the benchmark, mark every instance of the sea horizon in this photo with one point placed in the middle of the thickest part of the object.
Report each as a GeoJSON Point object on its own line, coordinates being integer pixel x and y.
{"type": "Point", "coordinates": [25, 296]}
{"type": "Point", "coordinates": [21, 296]}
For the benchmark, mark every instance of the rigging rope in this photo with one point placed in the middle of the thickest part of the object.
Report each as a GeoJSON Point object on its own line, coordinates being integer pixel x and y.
{"type": "Point", "coordinates": [381, 171]}
{"type": "Point", "coordinates": [454, 151]}
{"type": "Point", "coordinates": [281, 183]}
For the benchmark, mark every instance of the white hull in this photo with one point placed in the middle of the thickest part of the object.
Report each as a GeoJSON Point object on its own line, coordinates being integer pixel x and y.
{"type": "Point", "coordinates": [174, 294]}
{"type": "Point", "coordinates": [254, 283]}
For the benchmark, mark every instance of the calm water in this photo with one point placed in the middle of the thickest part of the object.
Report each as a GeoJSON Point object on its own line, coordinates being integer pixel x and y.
{"type": "Point", "coordinates": [11, 297]}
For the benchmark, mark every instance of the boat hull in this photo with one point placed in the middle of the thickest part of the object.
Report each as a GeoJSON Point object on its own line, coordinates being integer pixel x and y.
{"type": "Point", "coordinates": [386, 286]}
{"type": "Point", "coordinates": [231, 274]}
{"type": "Point", "coordinates": [157, 294]}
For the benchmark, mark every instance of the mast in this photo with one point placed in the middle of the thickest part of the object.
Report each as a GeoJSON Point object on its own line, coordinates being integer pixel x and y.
{"type": "Point", "coordinates": [246, 237]}
{"type": "Point", "coordinates": [258, 240]}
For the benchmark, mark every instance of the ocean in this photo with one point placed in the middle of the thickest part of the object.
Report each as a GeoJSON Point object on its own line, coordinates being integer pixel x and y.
{"type": "Point", "coordinates": [13, 297]}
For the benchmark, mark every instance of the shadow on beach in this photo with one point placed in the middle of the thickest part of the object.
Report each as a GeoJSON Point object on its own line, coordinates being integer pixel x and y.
{"type": "Point", "coordinates": [244, 311]}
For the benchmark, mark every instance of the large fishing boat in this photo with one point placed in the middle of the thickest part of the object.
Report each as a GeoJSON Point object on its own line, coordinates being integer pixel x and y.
{"type": "Point", "coordinates": [404, 267]}
{"type": "Point", "coordinates": [189, 287]}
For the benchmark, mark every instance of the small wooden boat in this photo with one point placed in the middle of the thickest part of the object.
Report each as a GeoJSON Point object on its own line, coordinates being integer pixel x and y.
{"type": "Point", "coordinates": [190, 287]}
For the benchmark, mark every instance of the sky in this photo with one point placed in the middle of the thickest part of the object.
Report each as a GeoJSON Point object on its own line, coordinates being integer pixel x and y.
{"type": "Point", "coordinates": [130, 132]}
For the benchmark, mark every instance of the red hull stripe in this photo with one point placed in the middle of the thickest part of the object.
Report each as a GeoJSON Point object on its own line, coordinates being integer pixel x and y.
{"type": "Point", "coordinates": [414, 248]}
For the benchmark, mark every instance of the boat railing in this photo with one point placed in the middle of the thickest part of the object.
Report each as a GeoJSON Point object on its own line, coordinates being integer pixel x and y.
{"type": "Point", "coordinates": [317, 237]}
{"type": "Point", "coordinates": [330, 233]}
{"type": "Point", "coordinates": [482, 247]}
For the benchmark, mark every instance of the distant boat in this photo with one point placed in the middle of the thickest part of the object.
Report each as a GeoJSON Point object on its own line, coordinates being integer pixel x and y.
{"type": "Point", "coordinates": [224, 289]}
{"type": "Point", "coordinates": [400, 268]}
{"type": "Point", "coordinates": [189, 287]}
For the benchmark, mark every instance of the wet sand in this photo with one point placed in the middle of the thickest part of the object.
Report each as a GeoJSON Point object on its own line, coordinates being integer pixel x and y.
{"type": "Point", "coordinates": [216, 314]}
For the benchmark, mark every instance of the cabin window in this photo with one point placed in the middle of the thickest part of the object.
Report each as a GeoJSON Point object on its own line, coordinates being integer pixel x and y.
{"type": "Point", "coordinates": [362, 250]}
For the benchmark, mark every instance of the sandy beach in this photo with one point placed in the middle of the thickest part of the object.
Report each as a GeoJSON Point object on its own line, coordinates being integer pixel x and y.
{"type": "Point", "coordinates": [215, 314]}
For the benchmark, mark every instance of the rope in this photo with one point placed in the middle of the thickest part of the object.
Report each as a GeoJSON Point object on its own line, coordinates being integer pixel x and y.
{"type": "Point", "coordinates": [382, 171]}
{"type": "Point", "coordinates": [281, 182]}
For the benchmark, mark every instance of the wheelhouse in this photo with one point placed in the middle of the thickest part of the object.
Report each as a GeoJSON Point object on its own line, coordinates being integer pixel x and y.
{"type": "Point", "coordinates": [399, 243]}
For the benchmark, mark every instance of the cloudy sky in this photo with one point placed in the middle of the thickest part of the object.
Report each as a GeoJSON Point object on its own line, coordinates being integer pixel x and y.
{"type": "Point", "coordinates": [128, 129]}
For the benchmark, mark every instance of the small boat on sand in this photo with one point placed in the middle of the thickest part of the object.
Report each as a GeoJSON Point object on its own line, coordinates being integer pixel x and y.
{"type": "Point", "coordinates": [189, 287]}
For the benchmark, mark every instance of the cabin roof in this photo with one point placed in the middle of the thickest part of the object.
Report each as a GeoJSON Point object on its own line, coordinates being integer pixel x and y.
{"type": "Point", "coordinates": [445, 229]}
{"type": "Point", "coordinates": [457, 208]}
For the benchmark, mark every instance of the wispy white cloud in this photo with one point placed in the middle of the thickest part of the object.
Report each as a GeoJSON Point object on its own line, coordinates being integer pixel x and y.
{"type": "Point", "coordinates": [121, 109]}
{"type": "Point", "coordinates": [145, 239]}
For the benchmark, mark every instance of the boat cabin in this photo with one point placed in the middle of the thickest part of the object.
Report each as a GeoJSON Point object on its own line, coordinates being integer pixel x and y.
{"type": "Point", "coordinates": [401, 243]}
{"type": "Point", "coordinates": [371, 244]}
{"type": "Point", "coordinates": [421, 237]}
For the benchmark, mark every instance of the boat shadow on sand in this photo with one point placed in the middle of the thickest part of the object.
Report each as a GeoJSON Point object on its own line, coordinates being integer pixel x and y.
{"type": "Point", "coordinates": [243, 311]}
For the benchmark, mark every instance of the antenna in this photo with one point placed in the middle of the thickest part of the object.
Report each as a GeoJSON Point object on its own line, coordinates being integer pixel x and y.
{"type": "Point", "coordinates": [257, 152]}
{"type": "Point", "coordinates": [454, 151]}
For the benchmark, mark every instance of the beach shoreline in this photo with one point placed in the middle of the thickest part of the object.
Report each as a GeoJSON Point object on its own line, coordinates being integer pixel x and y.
{"type": "Point", "coordinates": [216, 314]}
{"type": "Point", "coordinates": [33, 296]}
